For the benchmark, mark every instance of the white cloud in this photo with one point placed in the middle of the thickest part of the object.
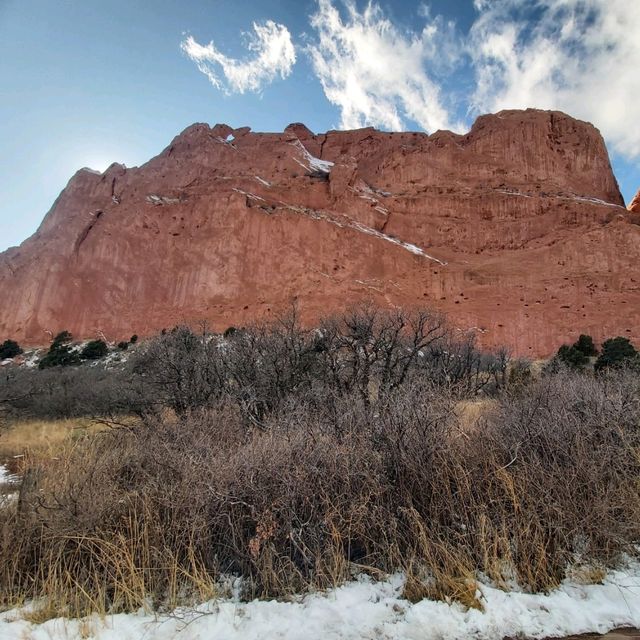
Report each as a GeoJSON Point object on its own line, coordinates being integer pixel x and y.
{"type": "Point", "coordinates": [375, 73]}
{"type": "Point", "coordinates": [579, 56]}
{"type": "Point", "coordinates": [274, 55]}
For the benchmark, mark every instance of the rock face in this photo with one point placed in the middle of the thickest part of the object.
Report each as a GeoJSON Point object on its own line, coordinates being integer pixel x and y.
{"type": "Point", "coordinates": [517, 230]}
{"type": "Point", "coordinates": [634, 207]}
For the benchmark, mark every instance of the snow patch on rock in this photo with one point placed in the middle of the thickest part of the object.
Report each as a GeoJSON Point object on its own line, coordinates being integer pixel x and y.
{"type": "Point", "coordinates": [262, 181]}
{"type": "Point", "coordinates": [346, 222]}
{"type": "Point", "coordinates": [312, 163]}
{"type": "Point", "coordinates": [248, 194]}
{"type": "Point", "coordinates": [157, 200]}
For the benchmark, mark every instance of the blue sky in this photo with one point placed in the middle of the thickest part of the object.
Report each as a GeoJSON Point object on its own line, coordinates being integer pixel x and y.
{"type": "Point", "coordinates": [86, 83]}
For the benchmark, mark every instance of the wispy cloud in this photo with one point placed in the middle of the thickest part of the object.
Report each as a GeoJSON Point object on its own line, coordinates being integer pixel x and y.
{"type": "Point", "coordinates": [579, 56]}
{"type": "Point", "coordinates": [375, 73]}
{"type": "Point", "coordinates": [273, 55]}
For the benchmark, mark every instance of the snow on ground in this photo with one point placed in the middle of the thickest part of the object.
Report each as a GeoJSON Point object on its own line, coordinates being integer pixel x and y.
{"type": "Point", "coordinates": [364, 609]}
{"type": "Point", "coordinates": [8, 482]}
{"type": "Point", "coordinates": [6, 477]}
{"type": "Point", "coordinates": [112, 360]}
{"type": "Point", "coordinates": [28, 358]}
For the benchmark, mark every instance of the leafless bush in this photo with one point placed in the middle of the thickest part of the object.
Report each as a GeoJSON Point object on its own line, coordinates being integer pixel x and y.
{"type": "Point", "coordinates": [456, 361]}
{"type": "Point", "coordinates": [265, 364]}
{"type": "Point", "coordinates": [569, 444]}
{"type": "Point", "coordinates": [367, 351]}
{"type": "Point", "coordinates": [68, 392]}
{"type": "Point", "coordinates": [313, 496]}
{"type": "Point", "coordinates": [179, 369]}
{"type": "Point", "coordinates": [373, 351]}
{"type": "Point", "coordinates": [296, 458]}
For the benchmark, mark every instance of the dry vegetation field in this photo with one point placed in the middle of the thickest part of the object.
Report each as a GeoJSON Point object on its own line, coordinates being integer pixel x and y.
{"type": "Point", "coordinates": [44, 438]}
{"type": "Point", "coordinates": [299, 459]}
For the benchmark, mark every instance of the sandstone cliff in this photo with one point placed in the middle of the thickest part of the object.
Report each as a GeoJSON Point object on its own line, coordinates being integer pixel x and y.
{"type": "Point", "coordinates": [516, 229]}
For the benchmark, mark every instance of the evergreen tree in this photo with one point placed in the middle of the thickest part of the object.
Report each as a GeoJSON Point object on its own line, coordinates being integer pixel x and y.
{"type": "Point", "coordinates": [94, 350]}
{"type": "Point", "coordinates": [572, 356]}
{"type": "Point", "coordinates": [9, 349]}
{"type": "Point", "coordinates": [616, 352]}
{"type": "Point", "coordinates": [60, 353]}
{"type": "Point", "coordinates": [585, 344]}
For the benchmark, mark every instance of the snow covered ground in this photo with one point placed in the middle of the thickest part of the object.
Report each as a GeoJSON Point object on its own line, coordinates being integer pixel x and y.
{"type": "Point", "coordinates": [365, 609]}
{"type": "Point", "coordinates": [8, 485]}
{"type": "Point", "coordinates": [7, 479]}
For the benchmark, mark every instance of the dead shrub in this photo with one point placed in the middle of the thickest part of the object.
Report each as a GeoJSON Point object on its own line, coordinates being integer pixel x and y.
{"type": "Point", "coordinates": [327, 480]}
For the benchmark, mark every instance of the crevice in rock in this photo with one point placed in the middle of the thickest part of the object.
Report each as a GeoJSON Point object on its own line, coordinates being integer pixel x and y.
{"type": "Point", "coordinates": [324, 139]}
{"type": "Point", "coordinates": [385, 223]}
{"type": "Point", "coordinates": [85, 232]}
{"type": "Point", "coordinates": [115, 198]}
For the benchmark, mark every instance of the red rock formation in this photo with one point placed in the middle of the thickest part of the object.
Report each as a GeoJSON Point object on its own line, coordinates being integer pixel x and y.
{"type": "Point", "coordinates": [516, 229]}
{"type": "Point", "coordinates": [634, 207]}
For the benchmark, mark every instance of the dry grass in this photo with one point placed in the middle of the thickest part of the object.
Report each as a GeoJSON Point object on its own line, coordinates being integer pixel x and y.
{"type": "Point", "coordinates": [587, 574]}
{"type": "Point", "coordinates": [473, 414]}
{"type": "Point", "coordinates": [156, 514]}
{"type": "Point", "coordinates": [41, 436]}
{"type": "Point", "coordinates": [44, 438]}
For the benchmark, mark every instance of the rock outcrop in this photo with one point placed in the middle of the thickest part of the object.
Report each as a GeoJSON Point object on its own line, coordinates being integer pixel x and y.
{"type": "Point", "coordinates": [517, 230]}
{"type": "Point", "coordinates": [634, 206]}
